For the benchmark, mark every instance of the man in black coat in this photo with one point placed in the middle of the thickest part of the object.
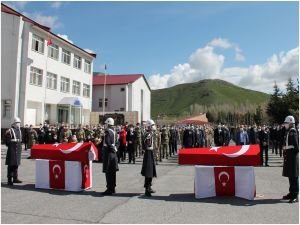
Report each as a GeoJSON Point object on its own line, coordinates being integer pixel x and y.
{"type": "Point", "coordinates": [110, 158]}
{"type": "Point", "coordinates": [148, 167]}
{"type": "Point", "coordinates": [188, 138]}
{"type": "Point", "coordinates": [291, 159]}
{"type": "Point", "coordinates": [219, 136]}
{"type": "Point", "coordinates": [130, 138]}
{"type": "Point", "coordinates": [13, 140]}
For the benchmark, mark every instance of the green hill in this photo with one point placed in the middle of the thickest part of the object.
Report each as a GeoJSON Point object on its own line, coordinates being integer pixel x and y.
{"type": "Point", "coordinates": [180, 100]}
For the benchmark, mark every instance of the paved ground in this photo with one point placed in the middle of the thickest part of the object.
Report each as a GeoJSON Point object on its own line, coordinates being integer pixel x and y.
{"type": "Point", "coordinates": [174, 201]}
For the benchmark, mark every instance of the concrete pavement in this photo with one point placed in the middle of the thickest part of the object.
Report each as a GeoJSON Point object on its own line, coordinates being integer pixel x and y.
{"type": "Point", "coordinates": [174, 201]}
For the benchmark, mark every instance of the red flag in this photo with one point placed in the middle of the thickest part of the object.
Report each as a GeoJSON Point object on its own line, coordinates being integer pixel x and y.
{"type": "Point", "coordinates": [86, 175]}
{"type": "Point", "coordinates": [49, 41]}
{"type": "Point", "coordinates": [57, 174]}
{"type": "Point", "coordinates": [224, 181]}
{"type": "Point", "coordinates": [237, 155]}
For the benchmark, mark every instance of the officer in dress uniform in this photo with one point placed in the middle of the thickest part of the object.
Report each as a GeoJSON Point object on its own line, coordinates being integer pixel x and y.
{"type": "Point", "coordinates": [110, 158]}
{"type": "Point", "coordinates": [13, 140]}
{"type": "Point", "coordinates": [148, 168]}
{"type": "Point", "coordinates": [291, 159]}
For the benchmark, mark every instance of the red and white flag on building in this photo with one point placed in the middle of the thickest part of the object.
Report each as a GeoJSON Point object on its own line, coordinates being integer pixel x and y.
{"type": "Point", "coordinates": [67, 175]}
{"type": "Point", "coordinates": [49, 40]}
{"type": "Point", "coordinates": [236, 181]}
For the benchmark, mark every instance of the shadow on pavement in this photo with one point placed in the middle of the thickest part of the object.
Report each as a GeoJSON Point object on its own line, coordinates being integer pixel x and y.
{"type": "Point", "coordinates": [190, 197]}
{"type": "Point", "coordinates": [31, 187]}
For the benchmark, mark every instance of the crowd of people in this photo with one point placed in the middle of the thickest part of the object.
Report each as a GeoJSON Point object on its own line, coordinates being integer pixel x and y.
{"type": "Point", "coordinates": [129, 142]}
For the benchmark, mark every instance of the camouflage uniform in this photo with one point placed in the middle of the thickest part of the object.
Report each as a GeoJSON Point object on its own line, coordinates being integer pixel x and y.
{"type": "Point", "coordinates": [165, 142]}
{"type": "Point", "coordinates": [80, 134]}
{"type": "Point", "coordinates": [32, 137]}
{"type": "Point", "coordinates": [157, 143]}
{"type": "Point", "coordinates": [138, 141]}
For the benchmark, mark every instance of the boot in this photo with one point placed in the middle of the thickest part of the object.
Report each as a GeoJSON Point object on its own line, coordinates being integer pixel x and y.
{"type": "Point", "coordinates": [286, 197]}
{"type": "Point", "coordinates": [17, 181]}
{"type": "Point", "coordinates": [293, 199]}
{"type": "Point", "coordinates": [107, 192]}
{"type": "Point", "coordinates": [9, 181]}
{"type": "Point", "coordinates": [151, 190]}
{"type": "Point", "coordinates": [148, 192]}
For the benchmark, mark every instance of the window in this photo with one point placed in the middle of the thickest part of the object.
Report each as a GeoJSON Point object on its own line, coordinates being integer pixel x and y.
{"type": "Point", "coordinates": [53, 51]}
{"type": "Point", "coordinates": [66, 57]}
{"type": "Point", "coordinates": [64, 84]}
{"type": "Point", "coordinates": [122, 89]}
{"type": "Point", "coordinates": [87, 66]}
{"type": "Point", "coordinates": [86, 90]}
{"type": "Point", "coordinates": [37, 44]}
{"type": "Point", "coordinates": [36, 76]}
{"type": "Point", "coordinates": [101, 102]}
{"type": "Point", "coordinates": [6, 108]}
{"type": "Point", "coordinates": [76, 87]}
{"type": "Point", "coordinates": [121, 109]}
{"type": "Point", "coordinates": [77, 62]}
{"type": "Point", "coordinates": [51, 81]}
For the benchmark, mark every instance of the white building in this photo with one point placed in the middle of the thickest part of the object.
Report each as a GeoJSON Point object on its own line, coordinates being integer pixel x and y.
{"type": "Point", "coordinates": [42, 81]}
{"type": "Point", "coordinates": [124, 94]}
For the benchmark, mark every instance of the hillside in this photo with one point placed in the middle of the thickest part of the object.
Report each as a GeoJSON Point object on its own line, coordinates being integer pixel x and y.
{"type": "Point", "coordinates": [177, 101]}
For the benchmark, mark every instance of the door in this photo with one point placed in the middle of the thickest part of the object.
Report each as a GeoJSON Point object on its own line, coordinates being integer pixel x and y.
{"type": "Point", "coordinates": [31, 116]}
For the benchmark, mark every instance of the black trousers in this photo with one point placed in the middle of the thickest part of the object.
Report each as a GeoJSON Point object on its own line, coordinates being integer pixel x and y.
{"type": "Point", "coordinates": [12, 172]}
{"type": "Point", "coordinates": [148, 182]}
{"type": "Point", "coordinates": [131, 153]}
{"type": "Point", "coordinates": [294, 186]}
{"type": "Point", "coordinates": [262, 150]}
{"type": "Point", "coordinates": [110, 180]}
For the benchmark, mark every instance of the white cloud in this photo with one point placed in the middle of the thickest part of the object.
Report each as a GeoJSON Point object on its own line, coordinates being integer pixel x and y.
{"type": "Point", "coordinates": [18, 5]}
{"type": "Point", "coordinates": [205, 63]}
{"type": "Point", "coordinates": [89, 51]}
{"type": "Point", "coordinates": [64, 36]}
{"type": "Point", "coordinates": [56, 5]}
{"type": "Point", "coordinates": [49, 21]}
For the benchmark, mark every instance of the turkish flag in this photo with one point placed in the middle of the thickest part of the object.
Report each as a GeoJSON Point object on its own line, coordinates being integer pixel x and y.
{"type": "Point", "coordinates": [236, 181]}
{"type": "Point", "coordinates": [86, 174]}
{"type": "Point", "coordinates": [57, 174]}
{"type": "Point", "coordinates": [224, 181]}
{"type": "Point", "coordinates": [238, 155]}
{"type": "Point", "coordinates": [66, 151]}
{"type": "Point", "coordinates": [49, 40]}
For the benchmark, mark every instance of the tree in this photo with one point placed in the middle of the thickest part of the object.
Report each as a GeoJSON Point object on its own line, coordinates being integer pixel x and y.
{"type": "Point", "coordinates": [275, 107]}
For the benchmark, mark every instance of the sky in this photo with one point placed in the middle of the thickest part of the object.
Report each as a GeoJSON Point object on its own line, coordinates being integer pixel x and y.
{"type": "Point", "coordinates": [250, 44]}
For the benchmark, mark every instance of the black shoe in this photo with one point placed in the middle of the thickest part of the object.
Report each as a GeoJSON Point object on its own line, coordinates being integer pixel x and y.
{"type": "Point", "coordinates": [286, 197]}
{"type": "Point", "coordinates": [293, 199]}
{"type": "Point", "coordinates": [151, 190]}
{"type": "Point", "coordinates": [147, 193]}
{"type": "Point", "coordinates": [267, 165]}
{"type": "Point", "coordinates": [17, 181]}
{"type": "Point", "coordinates": [10, 183]}
{"type": "Point", "coordinates": [107, 192]}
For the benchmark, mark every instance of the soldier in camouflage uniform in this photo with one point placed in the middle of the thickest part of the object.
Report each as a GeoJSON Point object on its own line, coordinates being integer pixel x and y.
{"type": "Point", "coordinates": [80, 134]}
{"type": "Point", "coordinates": [165, 141]}
{"type": "Point", "coordinates": [157, 142]}
{"type": "Point", "coordinates": [66, 134]}
{"type": "Point", "coordinates": [138, 140]}
{"type": "Point", "coordinates": [32, 137]}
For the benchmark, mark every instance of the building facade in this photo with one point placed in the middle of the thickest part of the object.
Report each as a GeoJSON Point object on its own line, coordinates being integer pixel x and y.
{"type": "Point", "coordinates": [129, 95]}
{"type": "Point", "coordinates": [43, 77]}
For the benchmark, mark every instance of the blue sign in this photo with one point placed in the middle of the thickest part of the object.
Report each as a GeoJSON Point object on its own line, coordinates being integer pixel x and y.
{"type": "Point", "coordinates": [77, 102]}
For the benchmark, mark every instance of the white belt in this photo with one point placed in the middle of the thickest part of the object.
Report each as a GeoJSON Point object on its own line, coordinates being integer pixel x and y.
{"type": "Point", "coordinates": [15, 140]}
{"type": "Point", "coordinates": [289, 147]}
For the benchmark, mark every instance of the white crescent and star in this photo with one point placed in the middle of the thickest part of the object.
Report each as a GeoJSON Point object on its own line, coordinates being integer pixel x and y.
{"type": "Point", "coordinates": [68, 151]}
{"type": "Point", "coordinates": [214, 149]}
{"type": "Point", "coordinates": [226, 174]}
{"type": "Point", "coordinates": [241, 151]}
{"type": "Point", "coordinates": [53, 168]}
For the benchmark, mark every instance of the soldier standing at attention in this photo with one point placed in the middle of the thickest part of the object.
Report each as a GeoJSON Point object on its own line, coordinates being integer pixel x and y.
{"type": "Point", "coordinates": [110, 158]}
{"type": "Point", "coordinates": [138, 140]}
{"type": "Point", "coordinates": [148, 168]}
{"type": "Point", "coordinates": [13, 140]}
{"type": "Point", "coordinates": [291, 159]}
{"type": "Point", "coordinates": [80, 134]}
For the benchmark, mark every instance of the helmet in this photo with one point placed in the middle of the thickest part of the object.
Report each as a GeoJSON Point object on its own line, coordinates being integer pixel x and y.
{"type": "Point", "coordinates": [149, 123]}
{"type": "Point", "coordinates": [109, 121]}
{"type": "Point", "coordinates": [289, 119]}
{"type": "Point", "coordinates": [17, 120]}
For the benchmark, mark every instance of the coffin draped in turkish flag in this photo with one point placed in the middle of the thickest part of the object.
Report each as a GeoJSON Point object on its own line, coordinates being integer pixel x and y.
{"type": "Point", "coordinates": [239, 155]}
{"type": "Point", "coordinates": [67, 151]}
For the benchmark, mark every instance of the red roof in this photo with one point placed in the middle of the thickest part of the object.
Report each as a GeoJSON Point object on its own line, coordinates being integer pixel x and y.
{"type": "Point", "coordinates": [6, 9]}
{"type": "Point", "coordinates": [115, 79]}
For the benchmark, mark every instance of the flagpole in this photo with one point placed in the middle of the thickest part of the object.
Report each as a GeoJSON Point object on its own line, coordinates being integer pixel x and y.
{"type": "Point", "coordinates": [104, 91]}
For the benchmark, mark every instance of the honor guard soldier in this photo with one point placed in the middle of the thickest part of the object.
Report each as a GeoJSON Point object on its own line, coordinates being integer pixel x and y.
{"type": "Point", "coordinates": [148, 168]}
{"type": "Point", "coordinates": [110, 158]}
{"type": "Point", "coordinates": [291, 159]}
{"type": "Point", "coordinates": [13, 140]}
